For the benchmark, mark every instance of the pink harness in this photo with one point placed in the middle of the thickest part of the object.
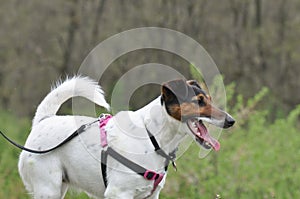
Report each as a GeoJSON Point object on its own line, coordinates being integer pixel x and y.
{"type": "Point", "coordinates": [103, 120]}
{"type": "Point", "coordinates": [147, 174]}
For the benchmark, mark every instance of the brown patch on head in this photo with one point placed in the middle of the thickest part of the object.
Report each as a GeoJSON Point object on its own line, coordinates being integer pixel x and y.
{"type": "Point", "coordinates": [174, 111]}
{"type": "Point", "coordinates": [185, 100]}
{"type": "Point", "coordinates": [200, 97]}
{"type": "Point", "coordinates": [208, 97]}
{"type": "Point", "coordinates": [189, 110]}
{"type": "Point", "coordinates": [205, 108]}
{"type": "Point", "coordinates": [217, 113]}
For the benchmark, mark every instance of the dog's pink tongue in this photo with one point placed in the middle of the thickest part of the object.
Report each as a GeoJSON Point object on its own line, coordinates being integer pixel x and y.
{"type": "Point", "coordinates": [206, 137]}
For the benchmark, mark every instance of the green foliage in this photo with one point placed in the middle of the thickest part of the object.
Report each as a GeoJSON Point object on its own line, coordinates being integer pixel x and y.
{"type": "Point", "coordinates": [195, 72]}
{"type": "Point", "coordinates": [10, 183]}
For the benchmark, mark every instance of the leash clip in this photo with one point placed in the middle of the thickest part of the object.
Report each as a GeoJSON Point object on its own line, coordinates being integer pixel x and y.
{"type": "Point", "coordinates": [174, 165]}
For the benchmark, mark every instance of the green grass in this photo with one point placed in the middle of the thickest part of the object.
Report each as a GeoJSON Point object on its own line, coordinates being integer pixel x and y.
{"type": "Point", "coordinates": [10, 183]}
{"type": "Point", "coordinates": [258, 159]}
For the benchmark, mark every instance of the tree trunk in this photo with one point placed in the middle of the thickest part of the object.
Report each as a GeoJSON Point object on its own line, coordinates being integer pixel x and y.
{"type": "Point", "coordinates": [99, 12]}
{"type": "Point", "coordinates": [258, 26]}
{"type": "Point", "coordinates": [66, 68]}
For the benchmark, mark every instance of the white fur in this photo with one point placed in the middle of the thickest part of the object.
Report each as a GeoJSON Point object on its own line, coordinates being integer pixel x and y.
{"type": "Point", "coordinates": [77, 86]}
{"type": "Point", "coordinates": [77, 163]}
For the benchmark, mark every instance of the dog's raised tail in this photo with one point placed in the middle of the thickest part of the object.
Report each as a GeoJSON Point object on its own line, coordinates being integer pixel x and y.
{"type": "Point", "coordinates": [74, 87]}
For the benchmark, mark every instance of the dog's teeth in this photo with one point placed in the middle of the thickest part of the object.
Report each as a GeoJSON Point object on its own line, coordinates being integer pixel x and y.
{"type": "Point", "coordinates": [207, 143]}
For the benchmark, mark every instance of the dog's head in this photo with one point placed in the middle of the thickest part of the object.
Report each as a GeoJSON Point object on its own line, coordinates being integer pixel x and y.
{"type": "Point", "coordinates": [187, 102]}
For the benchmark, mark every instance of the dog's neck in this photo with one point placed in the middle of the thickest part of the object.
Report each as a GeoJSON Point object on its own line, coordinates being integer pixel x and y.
{"type": "Point", "coordinates": [165, 129]}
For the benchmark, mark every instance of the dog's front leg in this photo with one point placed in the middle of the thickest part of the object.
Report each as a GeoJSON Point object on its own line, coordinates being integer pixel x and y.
{"type": "Point", "coordinates": [113, 192]}
{"type": "Point", "coordinates": [155, 194]}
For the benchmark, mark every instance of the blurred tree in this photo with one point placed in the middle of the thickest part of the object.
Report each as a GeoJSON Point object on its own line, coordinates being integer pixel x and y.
{"type": "Point", "coordinates": [98, 15]}
{"type": "Point", "coordinates": [72, 29]}
{"type": "Point", "coordinates": [254, 43]}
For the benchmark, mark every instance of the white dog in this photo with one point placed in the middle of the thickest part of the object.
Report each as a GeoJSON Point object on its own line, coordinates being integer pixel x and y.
{"type": "Point", "coordinates": [134, 136]}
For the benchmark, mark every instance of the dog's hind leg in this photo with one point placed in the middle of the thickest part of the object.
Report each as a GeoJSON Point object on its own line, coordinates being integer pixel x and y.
{"type": "Point", "coordinates": [49, 185]}
{"type": "Point", "coordinates": [43, 176]}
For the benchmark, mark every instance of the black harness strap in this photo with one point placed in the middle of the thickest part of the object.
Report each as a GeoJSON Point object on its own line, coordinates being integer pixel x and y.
{"type": "Point", "coordinates": [103, 166]}
{"type": "Point", "coordinates": [126, 162]}
{"type": "Point", "coordinates": [171, 157]}
{"type": "Point", "coordinates": [147, 174]}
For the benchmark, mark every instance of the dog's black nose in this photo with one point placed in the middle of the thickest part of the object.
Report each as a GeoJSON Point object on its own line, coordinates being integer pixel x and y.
{"type": "Point", "coordinates": [229, 121]}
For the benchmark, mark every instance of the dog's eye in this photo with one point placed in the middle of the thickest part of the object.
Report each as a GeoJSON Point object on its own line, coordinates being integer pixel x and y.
{"type": "Point", "coordinates": [200, 101]}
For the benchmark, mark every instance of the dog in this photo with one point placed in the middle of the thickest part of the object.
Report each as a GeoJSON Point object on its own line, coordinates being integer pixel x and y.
{"type": "Point", "coordinates": [145, 138]}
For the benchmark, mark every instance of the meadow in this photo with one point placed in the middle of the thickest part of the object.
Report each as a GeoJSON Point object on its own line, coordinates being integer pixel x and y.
{"type": "Point", "coordinates": [259, 158]}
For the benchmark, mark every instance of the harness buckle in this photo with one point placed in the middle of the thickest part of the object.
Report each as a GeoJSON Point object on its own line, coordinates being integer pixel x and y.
{"type": "Point", "coordinates": [104, 115]}
{"type": "Point", "coordinates": [150, 175]}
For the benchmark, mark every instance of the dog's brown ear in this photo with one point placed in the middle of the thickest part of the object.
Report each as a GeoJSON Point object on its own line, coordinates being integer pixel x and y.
{"type": "Point", "coordinates": [175, 90]}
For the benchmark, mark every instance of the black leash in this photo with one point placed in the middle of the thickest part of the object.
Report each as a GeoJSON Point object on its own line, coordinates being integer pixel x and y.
{"type": "Point", "coordinates": [70, 137]}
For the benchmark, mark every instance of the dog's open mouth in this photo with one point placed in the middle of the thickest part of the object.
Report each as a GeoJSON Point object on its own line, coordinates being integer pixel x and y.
{"type": "Point", "coordinates": [202, 135]}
